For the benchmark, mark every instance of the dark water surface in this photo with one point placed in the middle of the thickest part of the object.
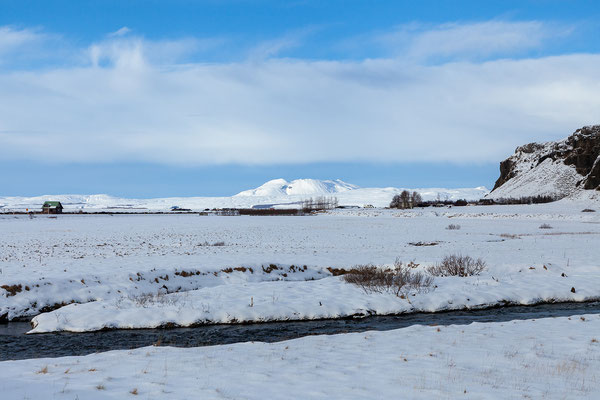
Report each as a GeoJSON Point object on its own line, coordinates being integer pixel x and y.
{"type": "Point", "coordinates": [15, 345]}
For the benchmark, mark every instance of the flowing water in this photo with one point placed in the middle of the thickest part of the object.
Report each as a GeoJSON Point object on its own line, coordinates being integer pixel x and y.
{"type": "Point", "coordinates": [15, 344]}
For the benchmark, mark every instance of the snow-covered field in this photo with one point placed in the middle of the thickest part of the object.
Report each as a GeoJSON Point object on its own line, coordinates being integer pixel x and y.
{"type": "Point", "coordinates": [533, 359]}
{"type": "Point", "coordinates": [135, 271]}
{"type": "Point", "coordinates": [232, 269]}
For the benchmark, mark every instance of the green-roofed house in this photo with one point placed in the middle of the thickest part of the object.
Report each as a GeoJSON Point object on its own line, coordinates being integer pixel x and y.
{"type": "Point", "coordinates": [52, 207]}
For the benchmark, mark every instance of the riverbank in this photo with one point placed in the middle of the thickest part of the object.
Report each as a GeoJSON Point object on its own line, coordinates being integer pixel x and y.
{"type": "Point", "coordinates": [542, 358]}
{"type": "Point", "coordinates": [18, 345]}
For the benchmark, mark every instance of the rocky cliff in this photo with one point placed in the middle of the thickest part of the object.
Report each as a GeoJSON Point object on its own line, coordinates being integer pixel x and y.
{"type": "Point", "coordinates": [556, 169]}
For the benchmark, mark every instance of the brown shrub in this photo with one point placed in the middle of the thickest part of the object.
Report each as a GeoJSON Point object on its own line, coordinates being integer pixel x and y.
{"type": "Point", "coordinates": [186, 274]}
{"type": "Point", "coordinates": [12, 289]}
{"type": "Point", "coordinates": [270, 268]}
{"type": "Point", "coordinates": [457, 265]}
{"type": "Point", "coordinates": [337, 271]}
{"type": "Point", "coordinates": [372, 278]}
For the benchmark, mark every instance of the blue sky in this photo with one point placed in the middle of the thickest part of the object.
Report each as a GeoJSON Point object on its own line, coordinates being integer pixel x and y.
{"type": "Point", "coordinates": [157, 98]}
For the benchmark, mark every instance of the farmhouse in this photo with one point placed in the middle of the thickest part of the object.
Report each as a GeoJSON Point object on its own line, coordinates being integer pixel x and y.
{"type": "Point", "coordinates": [52, 207]}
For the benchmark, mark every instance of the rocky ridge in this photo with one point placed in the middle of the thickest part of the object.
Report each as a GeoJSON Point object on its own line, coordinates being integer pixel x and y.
{"type": "Point", "coordinates": [556, 169]}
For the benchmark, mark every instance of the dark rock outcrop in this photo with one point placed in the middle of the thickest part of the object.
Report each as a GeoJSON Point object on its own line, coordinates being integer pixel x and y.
{"type": "Point", "coordinates": [507, 171]}
{"type": "Point", "coordinates": [580, 151]}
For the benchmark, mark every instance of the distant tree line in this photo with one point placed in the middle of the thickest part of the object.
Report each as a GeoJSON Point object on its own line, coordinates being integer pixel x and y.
{"type": "Point", "coordinates": [406, 200]}
{"type": "Point", "coordinates": [521, 200]}
{"type": "Point", "coordinates": [320, 203]}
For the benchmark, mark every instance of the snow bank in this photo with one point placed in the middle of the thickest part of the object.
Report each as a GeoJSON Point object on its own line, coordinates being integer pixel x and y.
{"type": "Point", "coordinates": [552, 358]}
{"type": "Point", "coordinates": [324, 298]}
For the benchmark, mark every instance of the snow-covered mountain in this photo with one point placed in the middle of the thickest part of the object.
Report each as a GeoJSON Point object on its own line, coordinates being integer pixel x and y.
{"type": "Point", "coordinates": [278, 192]}
{"type": "Point", "coordinates": [306, 187]}
{"type": "Point", "coordinates": [564, 168]}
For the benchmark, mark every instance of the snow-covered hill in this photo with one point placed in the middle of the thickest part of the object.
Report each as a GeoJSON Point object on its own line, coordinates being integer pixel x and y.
{"type": "Point", "coordinates": [308, 187]}
{"type": "Point", "coordinates": [278, 192]}
{"type": "Point", "coordinates": [565, 168]}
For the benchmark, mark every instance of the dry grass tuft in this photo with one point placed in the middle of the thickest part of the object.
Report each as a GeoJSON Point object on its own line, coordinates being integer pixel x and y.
{"type": "Point", "coordinates": [43, 370]}
{"type": "Point", "coordinates": [146, 300]}
{"type": "Point", "coordinates": [215, 244]}
{"type": "Point", "coordinates": [186, 274]}
{"type": "Point", "coordinates": [419, 244]}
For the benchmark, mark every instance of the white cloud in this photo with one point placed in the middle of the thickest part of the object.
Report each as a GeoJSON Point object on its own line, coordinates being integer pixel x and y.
{"type": "Point", "coordinates": [25, 47]}
{"type": "Point", "coordinates": [12, 39]}
{"type": "Point", "coordinates": [136, 52]}
{"type": "Point", "coordinates": [132, 105]}
{"type": "Point", "coordinates": [120, 32]}
{"type": "Point", "coordinates": [476, 40]}
{"type": "Point", "coordinates": [271, 48]}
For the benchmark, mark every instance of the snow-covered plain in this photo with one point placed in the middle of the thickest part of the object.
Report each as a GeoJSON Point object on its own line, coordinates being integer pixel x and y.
{"type": "Point", "coordinates": [547, 358]}
{"type": "Point", "coordinates": [135, 271]}
{"type": "Point", "coordinates": [218, 269]}
{"type": "Point", "coordinates": [277, 192]}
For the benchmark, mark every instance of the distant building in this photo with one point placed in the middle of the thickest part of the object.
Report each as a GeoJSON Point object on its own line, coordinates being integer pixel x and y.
{"type": "Point", "coordinates": [52, 207]}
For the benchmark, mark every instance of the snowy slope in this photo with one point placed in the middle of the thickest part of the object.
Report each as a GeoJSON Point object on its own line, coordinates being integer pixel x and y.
{"type": "Point", "coordinates": [534, 178]}
{"type": "Point", "coordinates": [564, 168]}
{"type": "Point", "coordinates": [278, 191]}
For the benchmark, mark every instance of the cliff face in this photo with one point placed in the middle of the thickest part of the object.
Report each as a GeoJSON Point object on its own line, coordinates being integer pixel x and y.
{"type": "Point", "coordinates": [552, 169]}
